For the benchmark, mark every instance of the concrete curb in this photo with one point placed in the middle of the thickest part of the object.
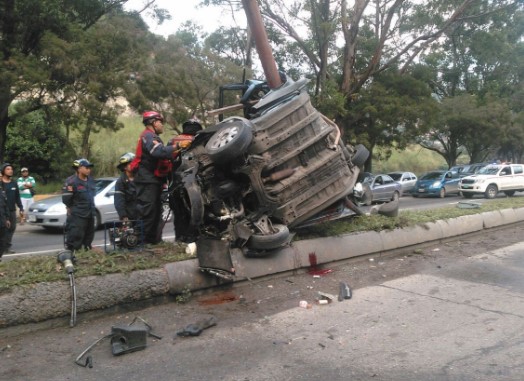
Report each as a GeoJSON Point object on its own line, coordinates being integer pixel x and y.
{"type": "Point", "coordinates": [46, 301]}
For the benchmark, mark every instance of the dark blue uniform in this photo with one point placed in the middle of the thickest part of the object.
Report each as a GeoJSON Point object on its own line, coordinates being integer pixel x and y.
{"type": "Point", "coordinates": [13, 200]}
{"type": "Point", "coordinates": [79, 197]}
{"type": "Point", "coordinates": [4, 217]}
{"type": "Point", "coordinates": [125, 198]}
{"type": "Point", "coordinates": [149, 185]}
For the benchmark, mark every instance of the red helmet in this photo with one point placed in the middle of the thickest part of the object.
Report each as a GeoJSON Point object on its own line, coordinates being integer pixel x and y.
{"type": "Point", "coordinates": [150, 116]}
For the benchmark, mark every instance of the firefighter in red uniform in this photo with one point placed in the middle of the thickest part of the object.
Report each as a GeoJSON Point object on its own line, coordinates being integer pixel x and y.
{"type": "Point", "coordinates": [153, 163]}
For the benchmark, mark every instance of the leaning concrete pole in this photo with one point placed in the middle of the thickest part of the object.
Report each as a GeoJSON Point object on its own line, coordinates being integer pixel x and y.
{"type": "Point", "coordinates": [254, 20]}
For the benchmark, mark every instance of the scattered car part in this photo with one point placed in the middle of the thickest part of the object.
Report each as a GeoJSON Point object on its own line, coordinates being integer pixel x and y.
{"type": "Point", "coordinates": [344, 292]}
{"type": "Point", "coordinates": [195, 329]}
{"type": "Point", "coordinates": [124, 339]}
{"type": "Point", "coordinates": [127, 339]}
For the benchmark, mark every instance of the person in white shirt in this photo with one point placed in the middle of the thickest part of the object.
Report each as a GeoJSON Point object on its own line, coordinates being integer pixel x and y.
{"type": "Point", "coordinates": [26, 186]}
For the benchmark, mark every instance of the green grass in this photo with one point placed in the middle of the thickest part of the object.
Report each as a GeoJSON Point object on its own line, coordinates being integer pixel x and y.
{"type": "Point", "coordinates": [26, 271]}
{"type": "Point", "coordinates": [37, 269]}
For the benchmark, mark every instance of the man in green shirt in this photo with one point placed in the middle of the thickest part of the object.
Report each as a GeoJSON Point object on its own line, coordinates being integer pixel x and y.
{"type": "Point", "coordinates": [26, 186]}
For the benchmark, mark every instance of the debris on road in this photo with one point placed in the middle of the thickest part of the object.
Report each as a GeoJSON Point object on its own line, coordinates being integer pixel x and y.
{"type": "Point", "coordinates": [195, 329]}
{"type": "Point", "coordinates": [344, 292]}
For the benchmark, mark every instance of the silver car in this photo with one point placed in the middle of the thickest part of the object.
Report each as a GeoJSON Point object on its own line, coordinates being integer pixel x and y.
{"type": "Point", "coordinates": [406, 179]}
{"type": "Point", "coordinates": [50, 213]}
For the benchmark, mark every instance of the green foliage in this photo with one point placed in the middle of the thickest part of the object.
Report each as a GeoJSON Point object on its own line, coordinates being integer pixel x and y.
{"type": "Point", "coordinates": [36, 141]}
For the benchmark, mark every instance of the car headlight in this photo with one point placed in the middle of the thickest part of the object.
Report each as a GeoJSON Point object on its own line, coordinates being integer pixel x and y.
{"type": "Point", "coordinates": [57, 209]}
{"type": "Point", "coordinates": [436, 184]}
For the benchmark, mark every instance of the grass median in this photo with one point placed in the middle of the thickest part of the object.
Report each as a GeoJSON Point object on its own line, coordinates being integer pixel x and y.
{"type": "Point", "coordinates": [27, 271]}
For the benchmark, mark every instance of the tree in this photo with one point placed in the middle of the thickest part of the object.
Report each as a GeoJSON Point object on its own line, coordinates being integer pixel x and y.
{"type": "Point", "coordinates": [53, 55]}
{"type": "Point", "coordinates": [32, 143]}
{"type": "Point", "coordinates": [390, 113]}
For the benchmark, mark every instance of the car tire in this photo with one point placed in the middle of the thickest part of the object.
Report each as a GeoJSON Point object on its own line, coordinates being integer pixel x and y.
{"type": "Point", "coordinates": [269, 241]}
{"type": "Point", "coordinates": [467, 195]}
{"type": "Point", "coordinates": [360, 156]}
{"type": "Point", "coordinates": [414, 195]}
{"type": "Point", "coordinates": [509, 193]}
{"type": "Point", "coordinates": [230, 141]}
{"type": "Point", "coordinates": [491, 191]}
{"type": "Point", "coordinates": [96, 220]}
{"type": "Point", "coordinates": [396, 196]}
{"type": "Point", "coordinates": [442, 193]}
{"type": "Point", "coordinates": [166, 212]}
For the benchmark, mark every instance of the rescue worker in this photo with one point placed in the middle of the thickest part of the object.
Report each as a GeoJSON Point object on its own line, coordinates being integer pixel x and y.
{"type": "Point", "coordinates": [125, 190]}
{"type": "Point", "coordinates": [154, 165]}
{"type": "Point", "coordinates": [5, 223]}
{"type": "Point", "coordinates": [78, 195]}
{"type": "Point", "coordinates": [12, 193]}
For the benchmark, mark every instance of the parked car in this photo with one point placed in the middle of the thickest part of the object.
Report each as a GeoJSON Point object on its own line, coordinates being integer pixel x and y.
{"type": "Point", "coordinates": [472, 169]}
{"type": "Point", "coordinates": [407, 180]}
{"type": "Point", "coordinates": [50, 213]}
{"type": "Point", "coordinates": [377, 188]}
{"type": "Point", "coordinates": [437, 183]}
{"type": "Point", "coordinates": [507, 178]}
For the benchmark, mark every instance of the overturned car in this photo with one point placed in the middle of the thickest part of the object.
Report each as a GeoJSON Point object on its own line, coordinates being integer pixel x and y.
{"type": "Point", "coordinates": [246, 181]}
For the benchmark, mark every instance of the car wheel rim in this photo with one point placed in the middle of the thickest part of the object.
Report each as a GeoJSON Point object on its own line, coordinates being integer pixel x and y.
{"type": "Point", "coordinates": [225, 136]}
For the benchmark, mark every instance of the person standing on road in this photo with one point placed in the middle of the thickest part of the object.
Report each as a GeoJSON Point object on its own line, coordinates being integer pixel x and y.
{"type": "Point", "coordinates": [125, 190]}
{"type": "Point", "coordinates": [12, 195]}
{"type": "Point", "coordinates": [78, 195]}
{"type": "Point", "coordinates": [26, 186]}
{"type": "Point", "coordinates": [154, 165]}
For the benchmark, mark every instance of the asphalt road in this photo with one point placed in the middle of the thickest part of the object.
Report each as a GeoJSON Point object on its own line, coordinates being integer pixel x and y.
{"type": "Point", "coordinates": [452, 311]}
{"type": "Point", "coordinates": [31, 240]}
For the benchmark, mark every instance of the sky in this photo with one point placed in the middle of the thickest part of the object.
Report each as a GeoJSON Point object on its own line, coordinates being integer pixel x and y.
{"type": "Point", "coordinates": [210, 18]}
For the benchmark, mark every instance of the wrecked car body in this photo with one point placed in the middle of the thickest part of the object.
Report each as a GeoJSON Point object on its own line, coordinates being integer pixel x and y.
{"type": "Point", "coordinates": [245, 182]}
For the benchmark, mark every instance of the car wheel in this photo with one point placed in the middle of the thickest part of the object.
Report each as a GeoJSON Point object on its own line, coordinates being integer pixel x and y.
{"type": "Point", "coordinates": [414, 195]}
{"type": "Point", "coordinates": [269, 241]}
{"type": "Point", "coordinates": [396, 196]}
{"type": "Point", "coordinates": [467, 195]}
{"type": "Point", "coordinates": [367, 196]}
{"type": "Point", "coordinates": [230, 141]}
{"type": "Point", "coordinates": [491, 191]}
{"type": "Point", "coordinates": [96, 220]}
{"type": "Point", "coordinates": [360, 156]}
{"type": "Point", "coordinates": [166, 212]}
{"type": "Point", "coordinates": [442, 193]}
{"type": "Point", "coordinates": [509, 193]}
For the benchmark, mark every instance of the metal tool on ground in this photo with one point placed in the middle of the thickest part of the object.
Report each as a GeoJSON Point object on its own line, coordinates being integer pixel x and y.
{"type": "Point", "coordinates": [66, 258]}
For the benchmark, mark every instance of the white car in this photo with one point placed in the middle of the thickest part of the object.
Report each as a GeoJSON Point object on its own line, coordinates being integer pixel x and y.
{"type": "Point", "coordinates": [492, 179]}
{"type": "Point", "coordinates": [50, 213]}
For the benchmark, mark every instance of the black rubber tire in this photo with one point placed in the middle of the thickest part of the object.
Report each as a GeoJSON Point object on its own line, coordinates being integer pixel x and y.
{"type": "Point", "coordinates": [360, 156]}
{"type": "Point", "coordinates": [96, 220]}
{"type": "Point", "coordinates": [509, 193]}
{"type": "Point", "coordinates": [414, 195]}
{"type": "Point", "coordinates": [269, 241]}
{"type": "Point", "coordinates": [396, 196]}
{"type": "Point", "coordinates": [467, 195]}
{"type": "Point", "coordinates": [442, 193]}
{"type": "Point", "coordinates": [491, 191]}
{"type": "Point", "coordinates": [230, 141]}
{"type": "Point", "coordinates": [167, 214]}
